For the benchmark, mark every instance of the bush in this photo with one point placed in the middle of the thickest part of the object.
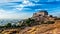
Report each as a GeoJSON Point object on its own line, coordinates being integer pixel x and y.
{"type": "Point", "coordinates": [57, 19]}
{"type": "Point", "coordinates": [8, 25]}
{"type": "Point", "coordinates": [13, 25]}
{"type": "Point", "coordinates": [50, 22]}
{"type": "Point", "coordinates": [29, 22]}
{"type": "Point", "coordinates": [42, 22]}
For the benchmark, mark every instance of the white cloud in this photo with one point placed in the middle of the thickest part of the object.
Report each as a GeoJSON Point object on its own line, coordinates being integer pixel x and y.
{"type": "Point", "coordinates": [19, 8]}
{"type": "Point", "coordinates": [2, 11]}
{"type": "Point", "coordinates": [55, 12]}
{"type": "Point", "coordinates": [5, 1]}
{"type": "Point", "coordinates": [27, 3]}
{"type": "Point", "coordinates": [40, 9]}
{"type": "Point", "coordinates": [15, 16]}
{"type": "Point", "coordinates": [5, 14]}
{"type": "Point", "coordinates": [24, 4]}
{"type": "Point", "coordinates": [12, 15]}
{"type": "Point", "coordinates": [6, 11]}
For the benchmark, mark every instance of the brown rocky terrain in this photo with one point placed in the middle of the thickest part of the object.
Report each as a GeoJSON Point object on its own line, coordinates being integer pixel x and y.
{"type": "Point", "coordinates": [38, 29]}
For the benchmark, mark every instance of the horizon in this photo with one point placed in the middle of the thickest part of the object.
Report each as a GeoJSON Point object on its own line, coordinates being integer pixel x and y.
{"type": "Point", "coordinates": [23, 9]}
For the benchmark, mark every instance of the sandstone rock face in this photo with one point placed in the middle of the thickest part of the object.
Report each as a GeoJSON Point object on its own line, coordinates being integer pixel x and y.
{"type": "Point", "coordinates": [42, 16]}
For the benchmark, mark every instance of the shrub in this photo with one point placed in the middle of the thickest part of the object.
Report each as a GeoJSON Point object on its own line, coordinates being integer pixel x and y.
{"type": "Point", "coordinates": [14, 25]}
{"type": "Point", "coordinates": [8, 25]}
{"type": "Point", "coordinates": [29, 22]}
{"type": "Point", "coordinates": [57, 19]}
{"type": "Point", "coordinates": [50, 22]}
{"type": "Point", "coordinates": [42, 22]}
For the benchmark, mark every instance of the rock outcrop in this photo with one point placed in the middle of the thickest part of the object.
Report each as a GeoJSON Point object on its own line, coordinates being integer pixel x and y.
{"type": "Point", "coordinates": [42, 16]}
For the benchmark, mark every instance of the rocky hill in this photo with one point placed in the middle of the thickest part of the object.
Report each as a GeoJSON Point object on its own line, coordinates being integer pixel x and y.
{"type": "Point", "coordinates": [42, 16]}
{"type": "Point", "coordinates": [39, 23]}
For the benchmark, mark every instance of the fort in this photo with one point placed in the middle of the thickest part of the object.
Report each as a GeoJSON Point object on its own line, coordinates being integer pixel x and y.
{"type": "Point", "coordinates": [42, 16]}
{"type": "Point", "coordinates": [41, 13]}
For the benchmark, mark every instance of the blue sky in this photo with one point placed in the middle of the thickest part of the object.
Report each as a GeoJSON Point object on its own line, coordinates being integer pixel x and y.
{"type": "Point", "coordinates": [22, 9]}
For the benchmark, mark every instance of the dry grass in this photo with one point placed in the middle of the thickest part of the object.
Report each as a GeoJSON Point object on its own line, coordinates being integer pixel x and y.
{"type": "Point", "coordinates": [38, 29]}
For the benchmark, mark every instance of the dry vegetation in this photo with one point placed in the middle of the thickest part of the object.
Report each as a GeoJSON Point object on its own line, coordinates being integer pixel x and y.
{"type": "Point", "coordinates": [38, 29]}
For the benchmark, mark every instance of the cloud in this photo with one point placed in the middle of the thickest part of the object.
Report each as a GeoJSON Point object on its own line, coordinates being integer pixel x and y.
{"type": "Point", "coordinates": [9, 9]}
{"type": "Point", "coordinates": [17, 5]}
{"type": "Point", "coordinates": [27, 3]}
{"type": "Point", "coordinates": [12, 15]}
{"type": "Point", "coordinates": [11, 5]}
{"type": "Point", "coordinates": [6, 1]}
{"type": "Point", "coordinates": [6, 14]}
{"type": "Point", "coordinates": [23, 8]}
{"type": "Point", "coordinates": [3, 11]}
{"type": "Point", "coordinates": [55, 12]}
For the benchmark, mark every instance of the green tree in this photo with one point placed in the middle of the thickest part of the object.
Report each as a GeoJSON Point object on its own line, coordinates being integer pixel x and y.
{"type": "Point", "coordinates": [8, 25]}
{"type": "Point", "coordinates": [30, 21]}
{"type": "Point", "coordinates": [14, 25]}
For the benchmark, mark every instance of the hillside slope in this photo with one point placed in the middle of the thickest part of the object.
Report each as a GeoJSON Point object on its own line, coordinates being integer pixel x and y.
{"type": "Point", "coordinates": [38, 29]}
